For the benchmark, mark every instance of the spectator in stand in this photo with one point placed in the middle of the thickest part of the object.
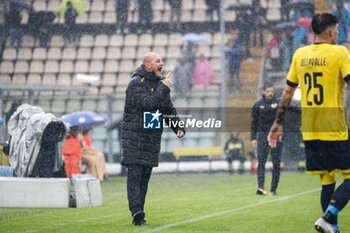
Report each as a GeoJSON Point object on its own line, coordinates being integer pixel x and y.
{"type": "Point", "coordinates": [245, 25]}
{"type": "Point", "coordinates": [176, 11]}
{"type": "Point", "coordinates": [183, 79]}
{"type": "Point", "coordinates": [213, 5]}
{"type": "Point", "coordinates": [122, 12]}
{"type": "Point", "coordinates": [189, 54]}
{"type": "Point", "coordinates": [44, 30]}
{"type": "Point", "coordinates": [69, 22]}
{"type": "Point", "coordinates": [343, 16]}
{"type": "Point", "coordinates": [145, 10]}
{"type": "Point", "coordinates": [288, 45]}
{"type": "Point", "coordinates": [300, 32]}
{"type": "Point", "coordinates": [284, 10]}
{"type": "Point", "coordinates": [274, 52]}
{"type": "Point", "coordinates": [203, 72]}
{"type": "Point", "coordinates": [259, 14]}
{"type": "Point", "coordinates": [346, 5]}
{"type": "Point", "coordinates": [13, 22]}
{"type": "Point", "coordinates": [235, 55]}
{"type": "Point", "coordinates": [72, 152]}
{"type": "Point", "coordinates": [234, 150]}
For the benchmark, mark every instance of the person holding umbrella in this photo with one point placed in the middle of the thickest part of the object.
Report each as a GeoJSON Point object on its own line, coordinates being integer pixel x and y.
{"type": "Point", "coordinates": [147, 101]}
{"type": "Point", "coordinates": [73, 146]}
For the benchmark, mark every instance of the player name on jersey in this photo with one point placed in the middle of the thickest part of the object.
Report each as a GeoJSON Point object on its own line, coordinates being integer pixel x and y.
{"type": "Point", "coordinates": [313, 61]}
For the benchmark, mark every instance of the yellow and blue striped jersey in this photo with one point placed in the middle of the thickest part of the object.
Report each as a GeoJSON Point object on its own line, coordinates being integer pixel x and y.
{"type": "Point", "coordinates": [321, 70]}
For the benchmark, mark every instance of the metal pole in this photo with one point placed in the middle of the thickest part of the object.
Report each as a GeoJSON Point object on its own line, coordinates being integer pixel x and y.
{"type": "Point", "coordinates": [223, 75]}
{"type": "Point", "coordinates": [109, 133]}
{"type": "Point", "coordinates": [2, 105]}
{"type": "Point", "coordinates": [30, 97]}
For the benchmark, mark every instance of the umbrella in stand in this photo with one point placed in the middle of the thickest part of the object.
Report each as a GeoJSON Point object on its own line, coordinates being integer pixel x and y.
{"type": "Point", "coordinates": [239, 6]}
{"type": "Point", "coordinates": [304, 22]}
{"type": "Point", "coordinates": [78, 5]}
{"type": "Point", "coordinates": [22, 4]}
{"type": "Point", "coordinates": [84, 120]}
{"type": "Point", "coordinates": [195, 38]}
{"type": "Point", "coordinates": [285, 26]}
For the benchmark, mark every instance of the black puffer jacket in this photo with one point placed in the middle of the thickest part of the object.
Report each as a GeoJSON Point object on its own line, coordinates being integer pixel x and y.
{"type": "Point", "coordinates": [263, 115]}
{"type": "Point", "coordinates": [145, 92]}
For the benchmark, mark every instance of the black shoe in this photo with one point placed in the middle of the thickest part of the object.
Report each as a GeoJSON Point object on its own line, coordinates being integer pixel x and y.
{"type": "Point", "coordinates": [138, 217]}
{"type": "Point", "coordinates": [261, 191]}
{"type": "Point", "coordinates": [143, 222]}
{"type": "Point", "coordinates": [272, 193]}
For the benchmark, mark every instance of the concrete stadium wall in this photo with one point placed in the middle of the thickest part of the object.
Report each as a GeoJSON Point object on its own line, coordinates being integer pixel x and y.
{"type": "Point", "coordinates": [18, 192]}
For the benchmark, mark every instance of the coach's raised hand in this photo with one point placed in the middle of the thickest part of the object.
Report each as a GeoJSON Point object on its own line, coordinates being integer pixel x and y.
{"type": "Point", "coordinates": [167, 82]}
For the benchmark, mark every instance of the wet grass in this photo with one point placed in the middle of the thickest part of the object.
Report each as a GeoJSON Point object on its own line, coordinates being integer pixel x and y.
{"type": "Point", "coordinates": [207, 203]}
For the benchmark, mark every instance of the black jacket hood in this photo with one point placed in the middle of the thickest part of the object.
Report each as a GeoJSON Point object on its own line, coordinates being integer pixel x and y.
{"type": "Point", "coordinates": [141, 71]}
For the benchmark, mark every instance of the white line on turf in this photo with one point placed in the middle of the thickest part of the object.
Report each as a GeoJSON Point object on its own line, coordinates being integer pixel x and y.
{"type": "Point", "coordinates": [228, 211]}
{"type": "Point", "coordinates": [182, 222]}
{"type": "Point", "coordinates": [94, 218]}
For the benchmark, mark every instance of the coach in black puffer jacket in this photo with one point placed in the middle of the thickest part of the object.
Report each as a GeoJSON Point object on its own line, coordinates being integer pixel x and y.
{"type": "Point", "coordinates": [146, 92]}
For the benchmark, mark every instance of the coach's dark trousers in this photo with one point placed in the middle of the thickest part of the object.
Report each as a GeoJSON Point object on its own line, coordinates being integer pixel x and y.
{"type": "Point", "coordinates": [137, 184]}
{"type": "Point", "coordinates": [263, 151]}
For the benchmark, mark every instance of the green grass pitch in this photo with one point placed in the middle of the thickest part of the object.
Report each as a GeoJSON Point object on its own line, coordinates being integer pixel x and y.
{"type": "Point", "coordinates": [189, 203]}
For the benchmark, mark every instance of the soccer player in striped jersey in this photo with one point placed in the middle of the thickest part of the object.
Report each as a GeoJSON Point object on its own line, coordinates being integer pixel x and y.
{"type": "Point", "coordinates": [321, 70]}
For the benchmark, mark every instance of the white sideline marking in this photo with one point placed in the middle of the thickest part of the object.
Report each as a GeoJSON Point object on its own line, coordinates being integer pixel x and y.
{"type": "Point", "coordinates": [94, 218]}
{"type": "Point", "coordinates": [228, 211]}
{"type": "Point", "coordinates": [182, 222]}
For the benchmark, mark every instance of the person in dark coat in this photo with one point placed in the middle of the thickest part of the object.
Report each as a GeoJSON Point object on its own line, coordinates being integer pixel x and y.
{"type": "Point", "coordinates": [44, 30]}
{"type": "Point", "coordinates": [176, 12]}
{"type": "Point", "coordinates": [145, 16]}
{"type": "Point", "coordinates": [244, 26]}
{"type": "Point", "coordinates": [13, 23]}
{"type": "Point", "coordinates": [69, 22]}
{"type": "Point", "coordinates": [260, 22]}
{"type": "Point", "coordinates": [263, 115]}
{"type": "Point", "coordinates": [235, 55]}
{"type": "Point", "coordinates": [213, 5]}
{"type": "Point", "coordinates": [122, 12]}
{"type": "Point", "coordinates": [147, 101]}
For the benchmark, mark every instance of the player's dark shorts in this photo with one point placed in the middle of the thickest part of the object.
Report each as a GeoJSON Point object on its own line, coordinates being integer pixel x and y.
{"type": "Point", "coordinates": [327, 156]}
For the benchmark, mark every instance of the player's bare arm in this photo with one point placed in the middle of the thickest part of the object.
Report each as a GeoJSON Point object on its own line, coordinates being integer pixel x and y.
{"type": "Point", "coordinates": [276, 131]}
